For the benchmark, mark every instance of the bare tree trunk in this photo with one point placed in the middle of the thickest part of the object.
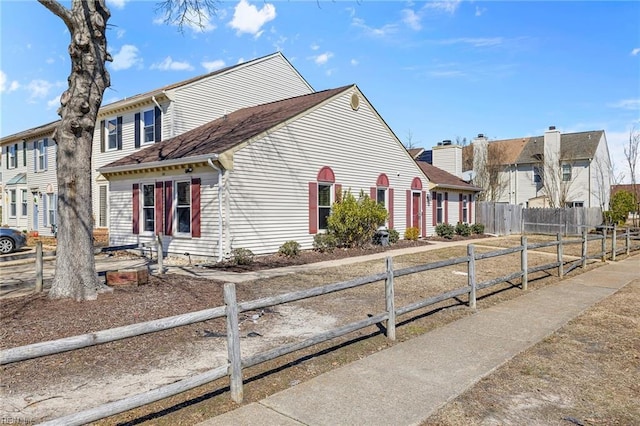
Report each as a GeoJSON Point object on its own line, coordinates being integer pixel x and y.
{"type": "Point", "coordinates": [75, 275]}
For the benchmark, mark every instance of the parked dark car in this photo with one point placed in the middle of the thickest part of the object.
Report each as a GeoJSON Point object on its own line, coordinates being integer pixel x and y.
{"type": "Point", "coordinates": [11, 240]}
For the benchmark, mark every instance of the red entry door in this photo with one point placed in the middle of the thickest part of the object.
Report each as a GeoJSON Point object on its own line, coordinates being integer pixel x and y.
{"type": "Point", "coordinates": [415, 210]}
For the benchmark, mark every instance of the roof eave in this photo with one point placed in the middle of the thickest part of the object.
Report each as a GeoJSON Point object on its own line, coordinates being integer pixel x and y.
{"type": "Point", "coordinates": [458, 187]}
{"type": "Point", "coordinates": [154, 164]}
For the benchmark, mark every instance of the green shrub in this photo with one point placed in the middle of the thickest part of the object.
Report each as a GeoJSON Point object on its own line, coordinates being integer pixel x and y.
{"type": "Point", "coordinates": [289, 249]}
{"type": "Point", "coordinates": [242, 256]}
{"type": "Point", "coordinates": [354, 222]}
{"type": "Point", "coordinates": [622, 202]}
{"type": "Point", "coordinates": [445, 230]}
{"type": "Point", "coordinates": [394, 236]}
{"type": "Point", "coordinates": [477, 228]}
{"type": "Point", "coordinates": [463, 229]}
{"type": "Point", "coordinates": [411, 234]}
{"type": "Point", "coordinates": [325, 242]}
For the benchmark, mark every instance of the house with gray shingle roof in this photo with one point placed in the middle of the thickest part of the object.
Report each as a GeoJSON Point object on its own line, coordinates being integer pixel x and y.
{"type": "Point", "coordinates": [260, 176]}
{"type": "Point", "coordinates": [554, 169]}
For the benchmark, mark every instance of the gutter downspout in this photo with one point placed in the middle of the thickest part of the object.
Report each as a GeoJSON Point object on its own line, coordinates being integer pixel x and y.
{"type": "Point", "coordinates": [220, 173]}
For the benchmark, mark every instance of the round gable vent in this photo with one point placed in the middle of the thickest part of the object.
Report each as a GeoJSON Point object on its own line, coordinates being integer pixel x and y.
{"type": "Point", "coordinates": [355, 101]}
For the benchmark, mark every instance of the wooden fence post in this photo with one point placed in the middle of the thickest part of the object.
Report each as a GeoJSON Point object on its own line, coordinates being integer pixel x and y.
{"type": "Point", "coordinates": [160, 252]}
{"type": "Point", "coordinates": [233, 342]}
{"type": "Point", "coordinates": [560, 266]}
{"type": "Point", "coordinates": [627, 242]}
{"type": "Point", "coordinates": [390, 302]}
{"type": "Point", "coordinates": [614, 238]}
{"type": "Point", "coordinates": [471, 275]}
{"type": "Point", "coordinates": [39, 268]}
{"type": "Point", "coordinates": [524, 262]}
{"type": "Point", "coordinates": [584, 248]}
{"type": "Point", "coordinates": [604, 244]}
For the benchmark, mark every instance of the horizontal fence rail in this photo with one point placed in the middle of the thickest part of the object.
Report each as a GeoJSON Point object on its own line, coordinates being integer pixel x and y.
{"type": "Point", "coordinates": [235, 363]}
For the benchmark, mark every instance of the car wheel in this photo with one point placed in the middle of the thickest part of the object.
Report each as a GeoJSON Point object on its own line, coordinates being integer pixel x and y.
{"type": "Point", "coordinates": [6, 245]}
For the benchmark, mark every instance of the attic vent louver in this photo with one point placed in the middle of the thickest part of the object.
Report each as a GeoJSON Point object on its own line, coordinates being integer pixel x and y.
{"type": "Point", "coordinates": [355, 102]}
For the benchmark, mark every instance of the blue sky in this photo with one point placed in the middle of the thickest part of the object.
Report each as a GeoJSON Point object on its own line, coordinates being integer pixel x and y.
{"type": "Point", "coordinates": [433, 70]}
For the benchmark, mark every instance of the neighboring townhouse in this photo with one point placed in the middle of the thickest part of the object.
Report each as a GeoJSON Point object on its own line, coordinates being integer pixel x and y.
{"type": "Point", "coordinates": [260, 176]}
{"type": "Point", "coordinates": [555, 169]}
{"type": "Point", "coordinates": [130, 125]}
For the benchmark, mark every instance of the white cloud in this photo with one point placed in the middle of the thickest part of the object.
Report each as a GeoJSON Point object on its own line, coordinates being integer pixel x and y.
{"type": "Point", "coordinates": [213, 65]}
{"type": "Point", "coordinates": [169, 64]}
{"type": "Point", "coordinates": [322, 58]}
{"type": "Point", "coordinates": [314, 46]}
{"type": "Point", "coordinates": [475, 42]}
{"type": "Point", "coordinates": [38, 89]}
{"type": "Point", "coordinates": [412, 19]}
{"type": "Point", "coordinates": [374, 32]}
{"type": "Point", "coordinates": [631, 104]}
{"type": "Point", "coordinates": [446, 6]}
{"type": "Point", "coordinates": [125, 58]}
{"type": "Point", "coordinates": [247, 18]}
{"type": "Point", "coordinates": [480, 10]}
{"type": "Point", "coordinates": [54, 103]}
{"type": "Point", "coordinates": [118, 4]}
{"type": "Point", "coordinates": [12, 86]}
{"type": "Point", "coordinates": [635, 51]}
{"type": "Point", "coordinates": [120, 32]}
{"type": "Point", "coordinates": [354, 62]}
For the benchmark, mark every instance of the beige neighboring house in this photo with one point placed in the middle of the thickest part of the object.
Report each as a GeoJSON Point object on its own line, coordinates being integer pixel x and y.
{"type": "Point", "coordinates": [554, 169]}
{"type": "Point", "coordinates": [29, 185]}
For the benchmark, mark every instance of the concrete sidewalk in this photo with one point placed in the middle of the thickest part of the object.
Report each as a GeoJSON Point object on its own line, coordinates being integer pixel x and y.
{"type": "Point", "coordinates": [405, 384]}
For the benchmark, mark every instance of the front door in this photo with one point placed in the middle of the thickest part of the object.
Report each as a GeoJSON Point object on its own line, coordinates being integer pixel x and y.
{"type": "Point", "coordinates": [415, 209]}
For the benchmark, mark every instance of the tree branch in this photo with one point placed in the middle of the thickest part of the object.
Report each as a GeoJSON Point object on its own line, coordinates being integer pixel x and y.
{"type": "Point", "coordinates": [60, 11]}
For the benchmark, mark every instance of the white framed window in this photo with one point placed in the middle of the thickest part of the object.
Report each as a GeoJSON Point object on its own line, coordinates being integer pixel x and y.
{"type": "Point", "coordinates": [439, 208]}
{"type": "Point", "coordinates": [148, 207]}
{"type": "Point", "coordinates": [566, 172]}
{"type": "Point", "coordinates": [465, 209]}
{"type": "Point", "coordinates": [183, 207]}
{"type": "Point", "coordinates": [149, 126]}
{"type": "Point", "coordinates": [537, 175]}
{"type": "Point", "coordinates": [24, 201]}
{"type": "Point", "coordinates": [51, 206]}
{"type": "Point", "coordinates": [381, 196]}
{"type": "Point", "coordinates": [12, 203]}
{"type": "Point", "coordinates": [12, 156]}
{"type": "Point", "coordinates": [575, 204]}
{"type": "Point", "coordinates": [113, 133]}
{"type": "Point", "coordinates": [324, 205]}
{"type": "Point", "coordinates": [41, 155]}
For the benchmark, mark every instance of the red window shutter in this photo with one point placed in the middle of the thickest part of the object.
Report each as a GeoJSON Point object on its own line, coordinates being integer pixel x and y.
{"type": "Point", "coordinates": [313, 207]}
{"type": "Point", "coordinates": [390, 208]}
{"type": "Point", "coordinates": [434, 207]}
{"type": "Point", "coordinates": [424, 213]}
{"type": "Point", "coordinates": [408, 208]}
{"type": "Point", "coordinates": [168, 208]}
{"type": "Point", "coordinates": [136, 208]}
{"type": "Point", "coordinates": [195, 207]}
{"type": "Point", "coordinates": [446, 207]}
{"type": "Point", "coordinates": [373, 193]}
{"type": "Point", "coordinates": [338, 194]}
{"type": "Point", "coordinates": [158, 206]}
{"type": "Point", "coordinates": [460, 209]}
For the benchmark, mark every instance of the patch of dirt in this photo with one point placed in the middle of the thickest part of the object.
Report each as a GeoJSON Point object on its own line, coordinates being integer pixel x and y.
{"type": "Point", "coordinates": [60, 384]}
{"type": "Point", "coordinates": [587, 373]}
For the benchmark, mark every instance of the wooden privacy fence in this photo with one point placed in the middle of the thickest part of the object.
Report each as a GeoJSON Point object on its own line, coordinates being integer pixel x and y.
{"type": "Point", "coordinates": [499, 218]}
{"type": "Point", "coordinates": [232, 308]}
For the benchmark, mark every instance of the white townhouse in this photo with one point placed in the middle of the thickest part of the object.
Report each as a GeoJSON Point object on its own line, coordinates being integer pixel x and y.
{"type": "Point", "coordinates": [575, 167]}
{"type": "Point", "coordinates": [28, 179]}
{"type": "Point", "coordinates": [260, 176]}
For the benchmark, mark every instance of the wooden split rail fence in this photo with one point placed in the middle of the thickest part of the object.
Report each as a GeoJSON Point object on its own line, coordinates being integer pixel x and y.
{"type": "Point", "coordinates": [232, 308]}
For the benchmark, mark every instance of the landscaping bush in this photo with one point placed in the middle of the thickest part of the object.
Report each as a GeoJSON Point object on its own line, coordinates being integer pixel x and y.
{"type": "Point", "coordinates": [354, 222]}
{"type": "Point", "coordinates": [411, 234]}
{"type": "Point", "coordinates": [463, 229]}
{"type": "Point", "coordinates": [289, 249]}
{"type": "Point", "coordinates": [394, 236]}
{"type": "Point", "coordinates": [445, 230]}
{"type": "Point", "coordinates": [325, 242]}
{"type": "Point", "coordinates": [242, 256]}
{"type": "Point", "coordinates": [477, 228]}
{"type": "Point", "coordinates": [622, 202]}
